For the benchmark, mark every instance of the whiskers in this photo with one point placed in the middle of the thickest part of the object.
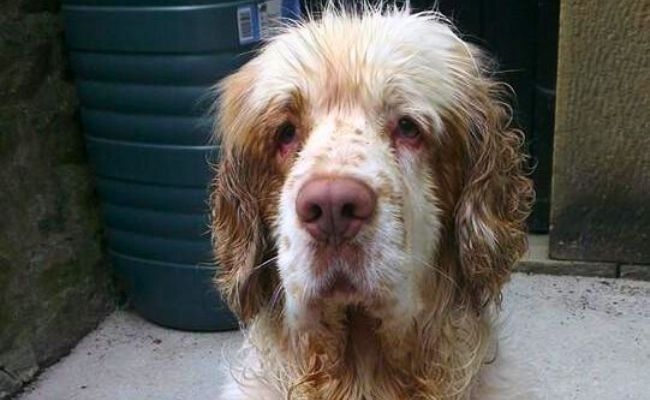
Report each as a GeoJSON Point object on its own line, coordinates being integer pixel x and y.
{"type": "Point", "coordinates": [444, 274]}
{"type": "Point", "coordinates": [278, 291]}
{"type": "Point", "coordinates": [265, 263]}
{"type": "Point", "coordinates": [277, 296]}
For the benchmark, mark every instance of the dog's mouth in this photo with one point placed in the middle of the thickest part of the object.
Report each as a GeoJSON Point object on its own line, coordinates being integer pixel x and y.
{"type": "Point", "coordinates": [327, 258]}
{"type": "Point", "coordinates": [338, 270]}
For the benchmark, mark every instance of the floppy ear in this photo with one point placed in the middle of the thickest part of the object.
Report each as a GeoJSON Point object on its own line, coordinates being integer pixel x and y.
{"type": "Point", "coordinates": [239, 234]}
{"type": "Point", "coordinates": [238, 239]}
{"type": "Point", "coordinates": [495, 197]}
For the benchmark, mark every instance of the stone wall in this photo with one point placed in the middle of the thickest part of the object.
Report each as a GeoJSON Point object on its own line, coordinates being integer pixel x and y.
{"type": "Point", "coordinates": [601, 176]}
{"type": "Point", "coordinates": [55, 284]}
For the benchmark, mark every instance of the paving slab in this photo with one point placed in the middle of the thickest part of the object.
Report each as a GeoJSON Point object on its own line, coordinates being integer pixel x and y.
{"type": "Point", "coordinates": [587, 339]}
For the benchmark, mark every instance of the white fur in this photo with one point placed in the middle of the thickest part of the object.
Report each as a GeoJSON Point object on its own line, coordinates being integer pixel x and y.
{"type": "Point", "coordinates": [328, 152]}
{"type": "Point", "coordinates": [405, 65]}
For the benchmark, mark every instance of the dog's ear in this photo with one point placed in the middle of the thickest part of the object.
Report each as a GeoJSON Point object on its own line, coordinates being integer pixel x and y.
{"type": "Point", "coordinates": [495, 196]}
{"type": "Point", "coordinates": [240, 237]}
{"type": "Point", "coordinates": [239, 240]}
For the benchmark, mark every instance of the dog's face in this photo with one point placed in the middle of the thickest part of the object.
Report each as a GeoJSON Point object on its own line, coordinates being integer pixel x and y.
{"type": "Point", "coordinates": [358, 218]}
{"type": "Point", "coordinates": [365, 160]}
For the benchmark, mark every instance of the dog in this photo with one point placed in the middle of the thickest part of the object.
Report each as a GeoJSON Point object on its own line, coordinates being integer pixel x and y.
{"type": "Point", "coordinates": [368, 207]}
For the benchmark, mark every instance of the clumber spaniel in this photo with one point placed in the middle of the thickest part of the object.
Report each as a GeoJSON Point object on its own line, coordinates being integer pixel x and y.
{"type": "Point", "coordinates": [368, 207]}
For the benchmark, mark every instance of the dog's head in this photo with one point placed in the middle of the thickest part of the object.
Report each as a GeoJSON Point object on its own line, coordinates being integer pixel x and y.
{"type": "Point", "coordinates": [366, 158]}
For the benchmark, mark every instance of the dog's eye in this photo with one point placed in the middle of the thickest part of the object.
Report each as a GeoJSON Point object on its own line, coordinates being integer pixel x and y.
{"type": "Point", "coordinates": [407, 128]}
{"type": "Point", "coordinates": [287, 138]}
{"type": "Point", "coordinates": [286, 133]}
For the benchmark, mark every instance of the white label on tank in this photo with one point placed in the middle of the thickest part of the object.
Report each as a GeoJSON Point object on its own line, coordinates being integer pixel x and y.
{"type": "Point", "coordinates": [262, 19]}
{"type": "Point", "coordinates": [246, 24]}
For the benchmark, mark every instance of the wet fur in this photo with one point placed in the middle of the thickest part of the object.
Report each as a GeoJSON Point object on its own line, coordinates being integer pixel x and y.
{"type": "Point", "coordinates": [475, 185]}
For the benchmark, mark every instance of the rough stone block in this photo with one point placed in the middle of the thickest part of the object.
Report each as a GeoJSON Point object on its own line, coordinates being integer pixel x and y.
{"type": "Point", "coordinates": [601, 175]}
{"type": "Point", "coordinates": [55, 283]}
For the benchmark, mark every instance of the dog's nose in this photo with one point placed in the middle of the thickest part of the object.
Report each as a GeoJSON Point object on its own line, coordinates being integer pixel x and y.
{"type": "Point", "coordinates": [335, 209]}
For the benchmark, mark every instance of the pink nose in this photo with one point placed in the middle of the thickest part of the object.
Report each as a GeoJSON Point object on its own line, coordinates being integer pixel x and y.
{"type": "Point", "coordinates": [334, 209]}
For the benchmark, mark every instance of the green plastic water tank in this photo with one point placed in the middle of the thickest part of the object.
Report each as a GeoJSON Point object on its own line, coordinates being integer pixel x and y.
{"type": "Point", "coordinates": [143, 69]}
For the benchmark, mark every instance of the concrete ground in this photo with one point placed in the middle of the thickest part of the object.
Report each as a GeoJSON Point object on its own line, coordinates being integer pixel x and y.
{"type": "Point", "coordinates": [588, 339]}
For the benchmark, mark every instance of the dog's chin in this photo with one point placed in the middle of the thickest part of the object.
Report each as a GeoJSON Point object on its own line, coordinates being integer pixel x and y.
{"type": "Point", "coordinates": [338, 286]}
